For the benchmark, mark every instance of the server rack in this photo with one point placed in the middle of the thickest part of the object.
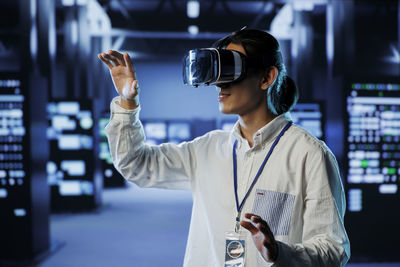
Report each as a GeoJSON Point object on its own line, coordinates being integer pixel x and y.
{"type": "Point", "coordinates": [372, 168]}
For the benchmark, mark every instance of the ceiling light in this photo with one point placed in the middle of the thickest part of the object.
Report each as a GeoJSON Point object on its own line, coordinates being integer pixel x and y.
{"type": "Point", "coordinates": [193, 9]}
{"type": "Point", "coordinates": [68, 2]}
{"type": "Point", "coordinates": [300, 5]}
{"type": "Point", "coordinates": [193, 29]}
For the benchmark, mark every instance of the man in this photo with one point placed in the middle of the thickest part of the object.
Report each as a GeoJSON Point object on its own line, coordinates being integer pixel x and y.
{"type": "Point", "coordinates": [267, 176]}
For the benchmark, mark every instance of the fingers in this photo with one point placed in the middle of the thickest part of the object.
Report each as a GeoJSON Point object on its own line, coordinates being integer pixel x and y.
{"type": "Point", "coordinates": [260, 223]}
{"type": "Point", "coordinates": [114, 58]}
{"type": "Point", "coordinates": [263, 226]}
{"type": "Point", "coordinates": [255, 218]}
{"type": "Point", "coordinates": [249, 226]}
{"type": "Point", "coordinates": [258, 227]}
{"type": "Point", "coordinates": [128, 62]}
{"type": "Point", "coordinates": [102, 58]}
{"type": "Point", "coordinates": [118, 56]}
{"type": "Point", "coordinates": [249, 215]}
{"type": "Point", "coordinates": [111, 58]}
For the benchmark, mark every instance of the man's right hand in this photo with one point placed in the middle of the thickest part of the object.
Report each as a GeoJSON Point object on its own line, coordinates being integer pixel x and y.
{"type": "Point", "coordinates": [124, 77]}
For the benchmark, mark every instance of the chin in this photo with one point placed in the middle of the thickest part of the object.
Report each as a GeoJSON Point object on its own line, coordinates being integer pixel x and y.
{"type": "Point", "coordinates": [224, 110]}
{"type": "Point", "coordinates": [227, 109]}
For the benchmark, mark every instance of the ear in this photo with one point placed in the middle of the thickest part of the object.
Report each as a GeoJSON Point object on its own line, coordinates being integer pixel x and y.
{"type": "Point", "coordinates": [268, 77]}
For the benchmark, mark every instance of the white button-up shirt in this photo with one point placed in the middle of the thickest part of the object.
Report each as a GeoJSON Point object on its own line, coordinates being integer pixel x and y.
{"type": "Point", "coordinates": [299, 192]}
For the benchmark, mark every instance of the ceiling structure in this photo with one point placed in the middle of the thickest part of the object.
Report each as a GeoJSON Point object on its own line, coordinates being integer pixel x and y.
{"type": "Point", "coordinates": [163, 27]}
{"type": "Point", "coordinates": [171, 15]}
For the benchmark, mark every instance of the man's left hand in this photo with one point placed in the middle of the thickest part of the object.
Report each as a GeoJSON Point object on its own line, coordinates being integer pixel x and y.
{"type": "Point", "coordinates": [262, 236]}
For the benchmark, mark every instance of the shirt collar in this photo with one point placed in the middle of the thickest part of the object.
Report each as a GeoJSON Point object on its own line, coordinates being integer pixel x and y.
{"type": "Point", "coordinates": [263, 135]}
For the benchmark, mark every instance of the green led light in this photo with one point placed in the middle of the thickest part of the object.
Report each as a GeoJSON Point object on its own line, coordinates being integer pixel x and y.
{"type": "Point", "coordinates": [391, 171]}
{"type": "Point", "coordinates": [373, 86]}
{"type": "Point", "coordinates": [364, 163]}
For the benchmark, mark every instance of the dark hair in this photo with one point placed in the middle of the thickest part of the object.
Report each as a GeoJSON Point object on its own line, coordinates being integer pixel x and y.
{"type": "Point", "coordinates": [283, 94]}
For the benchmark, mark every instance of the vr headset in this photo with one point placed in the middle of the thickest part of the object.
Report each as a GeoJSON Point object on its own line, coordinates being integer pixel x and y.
{"type": "Point", "coordinates": [210, 66]}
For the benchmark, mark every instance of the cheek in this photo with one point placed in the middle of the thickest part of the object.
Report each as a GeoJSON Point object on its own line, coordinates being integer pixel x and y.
{"type": "Point", "coordinates": [250, 96]}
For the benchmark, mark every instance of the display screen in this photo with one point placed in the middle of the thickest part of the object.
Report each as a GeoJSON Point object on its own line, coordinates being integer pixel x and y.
{"type": "Point", "coordinates": [163, 131]}
{"type": "Point", "coordinates": [227, 125]}
{"type": "Point", "coordinates": [104, 151]}
{"type": "Point", "coordinates": [155, 131]}
{"type": "Point", "coordinates": [310, 117]}
{"type": "Point", "coordinates": [373, 167]}
{"type": "Point", "coordinates": [70, 170]}
{"type": "Point", "coordinates": [111, 177]}
{"type": "Point", "coordinates": [307, 115]}
{"type": "Point", "coordinates": [179, 132]}
{"type": "Point", "coordinates": [14, 186]}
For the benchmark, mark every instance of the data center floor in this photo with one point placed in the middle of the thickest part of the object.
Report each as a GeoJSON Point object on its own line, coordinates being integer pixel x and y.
{"type": "Point", "coordinates": [134, 227]}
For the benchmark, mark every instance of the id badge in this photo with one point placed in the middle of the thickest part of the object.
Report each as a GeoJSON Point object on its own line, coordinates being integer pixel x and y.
{"type": "Point", "coordinates": [235, 249]}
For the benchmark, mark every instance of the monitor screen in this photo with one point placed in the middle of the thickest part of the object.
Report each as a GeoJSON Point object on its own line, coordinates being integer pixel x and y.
{"type": "Point", "coordinates": [179, 132]}
{"type": "Point", "coordinates": [155, 131]}
{"type": "Point", "coordinates": [227, 125]}
{"type": "Point", "coordinates": [111, 177]}
{"type": "Point", "coordinates": [309, 115]}
{"type": "Point", "coordinates": [70, 168]}
{"type": "Point", "coordinates": [373, 168]}
{"type": "Point", "coordinates": [14, 152]}
{"type": "Point", "coordinates": [24, 222]}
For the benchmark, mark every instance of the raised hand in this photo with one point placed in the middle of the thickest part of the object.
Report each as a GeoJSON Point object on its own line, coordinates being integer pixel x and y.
{"type": "Point", "coordinates": [123, 76]}
{"type": "Point", "coordinates": [262, 236]}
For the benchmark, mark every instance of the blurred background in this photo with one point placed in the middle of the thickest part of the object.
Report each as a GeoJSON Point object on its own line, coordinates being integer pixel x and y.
{"type": "Point", "coordinates": [61, 201]}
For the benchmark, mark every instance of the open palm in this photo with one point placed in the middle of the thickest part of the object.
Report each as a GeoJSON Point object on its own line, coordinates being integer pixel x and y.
{"type": "Point", "coordinates": [122, 73]}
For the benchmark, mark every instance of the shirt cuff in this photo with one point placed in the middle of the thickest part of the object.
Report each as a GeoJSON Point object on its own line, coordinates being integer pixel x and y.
{"type": "Point", "coordinates": [283, 255]}
{"type": "Point", "coordinates": [120, 114]}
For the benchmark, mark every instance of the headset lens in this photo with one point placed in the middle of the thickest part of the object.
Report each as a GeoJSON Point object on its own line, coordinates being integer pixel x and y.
{"type": "Point", "coordinates": [200, 67]}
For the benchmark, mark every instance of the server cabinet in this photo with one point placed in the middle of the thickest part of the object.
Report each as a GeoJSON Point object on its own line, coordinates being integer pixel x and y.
{"type": "Point", "coordinates": [24, 196]}
{"type": "Point", "coordinates": [373, 168]}
{"type": "Point", "coordinates": [74, 183]}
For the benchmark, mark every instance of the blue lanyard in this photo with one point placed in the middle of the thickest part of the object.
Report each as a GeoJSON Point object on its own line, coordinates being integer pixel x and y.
{"type": "Point", "coordinates": [239, 207]}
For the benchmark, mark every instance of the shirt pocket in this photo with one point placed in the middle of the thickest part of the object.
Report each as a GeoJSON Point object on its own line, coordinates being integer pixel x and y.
{"type": "Point", "coordinates": [275, 208]}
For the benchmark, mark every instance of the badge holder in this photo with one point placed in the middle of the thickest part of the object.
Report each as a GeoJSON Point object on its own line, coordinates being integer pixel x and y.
{"type": "Point", "coordinates": [235, 249]}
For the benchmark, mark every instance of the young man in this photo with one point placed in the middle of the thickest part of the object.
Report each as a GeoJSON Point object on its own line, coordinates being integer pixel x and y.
{"type": "Point", "coordinates": [267, 176]}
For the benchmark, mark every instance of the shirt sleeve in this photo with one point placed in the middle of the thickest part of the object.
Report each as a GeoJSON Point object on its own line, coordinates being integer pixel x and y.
{"type": "Point", "coordinates": [325, 242]}
{"type": "Point", "coordinates": [166, 166]}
